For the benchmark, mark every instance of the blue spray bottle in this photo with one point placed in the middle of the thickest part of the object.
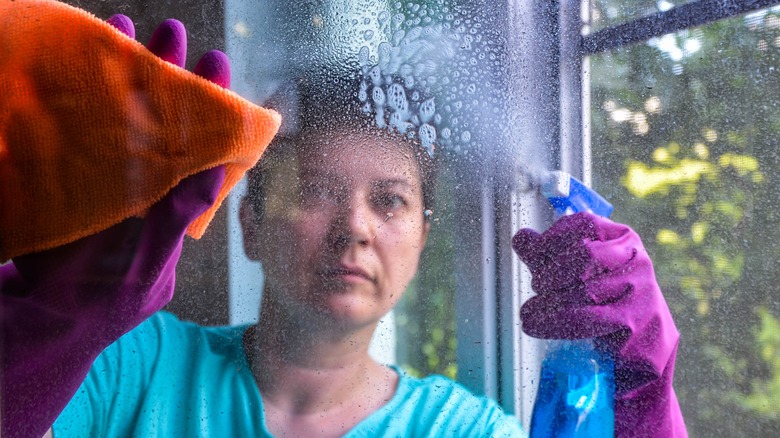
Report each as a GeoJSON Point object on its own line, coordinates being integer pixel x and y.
{"type": "Point", "coordinates": [576, 387]}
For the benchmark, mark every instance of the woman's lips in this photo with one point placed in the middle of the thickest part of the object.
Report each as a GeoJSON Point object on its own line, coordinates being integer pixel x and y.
{"type": "Point", "coordinates": [347, 273]}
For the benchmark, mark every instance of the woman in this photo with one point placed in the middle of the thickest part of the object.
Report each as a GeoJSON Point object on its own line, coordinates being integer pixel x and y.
{"type": "Point", "coordinates": [336, 215]}
{"type": "Point", "coordinates": [339, 225]}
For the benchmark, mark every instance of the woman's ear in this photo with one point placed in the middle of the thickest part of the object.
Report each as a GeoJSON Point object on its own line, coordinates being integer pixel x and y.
{"type": "Point", "coordinates": [248, 219]}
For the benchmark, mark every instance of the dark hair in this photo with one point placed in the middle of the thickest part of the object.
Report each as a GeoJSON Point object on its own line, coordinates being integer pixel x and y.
{"type": "Point", "coordinates": [328, 106]}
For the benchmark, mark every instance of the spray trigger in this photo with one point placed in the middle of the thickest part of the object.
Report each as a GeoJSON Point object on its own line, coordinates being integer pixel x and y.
{"type": "Point", "coordinates": [568, 195]}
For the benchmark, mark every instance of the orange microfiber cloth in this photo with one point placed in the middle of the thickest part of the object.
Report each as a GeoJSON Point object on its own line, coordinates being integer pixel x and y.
{"type": "Point", "coordinates": [94, 128]}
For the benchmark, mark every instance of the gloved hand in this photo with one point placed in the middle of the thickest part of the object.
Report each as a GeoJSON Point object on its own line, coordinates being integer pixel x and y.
{"type": "Point", "coordinates": [594, 279]}
{"type": "Point", "coordinates": [61, 307]}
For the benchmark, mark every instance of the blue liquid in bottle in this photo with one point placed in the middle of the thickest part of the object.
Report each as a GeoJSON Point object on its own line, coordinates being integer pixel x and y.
{"type": "Point", "coordinates": [576, 393]}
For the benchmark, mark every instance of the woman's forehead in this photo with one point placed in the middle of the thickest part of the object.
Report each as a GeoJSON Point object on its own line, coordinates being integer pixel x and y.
{"type": "Point", "coordinates": [359, 156]}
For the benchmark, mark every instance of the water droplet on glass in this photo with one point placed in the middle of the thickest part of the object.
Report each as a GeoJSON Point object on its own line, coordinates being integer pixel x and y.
{"type": "Point", "coordinates": [363, 56]}
{"type": "Point", "coordinates": [427, 137]}
{"type": "Point", "coordinates": [384, 50]}
{"type": "Point", "coordinates": [397, 97]}
{"type": "Point", "coordinates": [376, 75]}
{"type": "Point", "coordinates": [397, 20]}
{"type": "Point", "coordinates": [398, 36]}
{"type": "Point", "coordinates": [378, 96]}
{"type": "Point", "coordinates": [427, 110]}
{"type": "Point", "coordinates": [379, 119]}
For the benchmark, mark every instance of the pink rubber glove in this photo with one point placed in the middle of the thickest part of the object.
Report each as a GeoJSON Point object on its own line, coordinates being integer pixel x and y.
{"type": "Point", "coordinates": [60, 308]}
{"type": "Point", "coordinates": [594, 279]}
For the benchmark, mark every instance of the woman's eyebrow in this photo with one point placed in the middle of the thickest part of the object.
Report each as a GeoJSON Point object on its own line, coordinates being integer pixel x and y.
{"type": "Point", "coordinates": [317, 174]}
{"type": "Point", "coordinates": [390, 182]}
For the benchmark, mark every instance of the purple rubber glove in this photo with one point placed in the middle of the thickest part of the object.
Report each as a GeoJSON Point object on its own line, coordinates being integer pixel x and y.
{"type": "Point", "coordinates": [594, 279]}
{"type": "Point", "coordinates": [61, 307]}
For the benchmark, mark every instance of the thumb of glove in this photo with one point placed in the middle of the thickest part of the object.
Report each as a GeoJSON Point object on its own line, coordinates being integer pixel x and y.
{"type": "Point", "coordinates": [525, 245]}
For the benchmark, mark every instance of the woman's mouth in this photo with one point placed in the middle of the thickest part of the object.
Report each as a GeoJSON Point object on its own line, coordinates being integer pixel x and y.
{"type": "Point", "coordinates": [347, 273]}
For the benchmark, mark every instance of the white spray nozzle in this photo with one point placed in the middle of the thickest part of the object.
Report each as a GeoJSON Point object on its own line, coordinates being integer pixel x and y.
{"type": "Point", "coordinates": [551, 184]}
{"type": "Point", "coordinates": [556, 184]}
{"type": "Point", "coordinates": [566, 194]}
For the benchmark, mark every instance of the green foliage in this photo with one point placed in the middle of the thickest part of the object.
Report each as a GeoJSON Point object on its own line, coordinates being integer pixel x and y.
{"type": "Point", "coordinates": [688, 124]}
{"type": "Point", "coordinates": [425, 315]}
{"type": "Point", "coordinates": [761, 399]}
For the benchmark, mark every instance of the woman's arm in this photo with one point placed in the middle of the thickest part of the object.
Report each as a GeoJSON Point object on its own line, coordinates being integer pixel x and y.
{"type": "Point", "coordinates": [61, 307]}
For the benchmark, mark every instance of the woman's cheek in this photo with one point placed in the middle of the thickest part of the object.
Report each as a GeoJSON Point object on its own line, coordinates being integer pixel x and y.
{"type": "Point", "coordinates": [310, 230]}
{"type": "Point", "coordinates": [409, 232]}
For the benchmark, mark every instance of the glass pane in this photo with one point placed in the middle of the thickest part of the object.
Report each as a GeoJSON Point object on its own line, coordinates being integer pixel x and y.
{"type": "Point", "coordinates": [366, 210]}
{"type": "Point", "coordinates": [444, 58]}
{"type": "Point", "coordinates": [685, 144]}
{"type": "Point", "coordinates": [606, 13]}
{"type": "Point", "coordinates": [429, 69]}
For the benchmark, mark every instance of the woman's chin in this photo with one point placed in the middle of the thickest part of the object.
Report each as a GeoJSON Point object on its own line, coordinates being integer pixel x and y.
{"type": "Point", "coordinates": [351, 310]}
{"type": "Point", "coordinates": [342, 305]}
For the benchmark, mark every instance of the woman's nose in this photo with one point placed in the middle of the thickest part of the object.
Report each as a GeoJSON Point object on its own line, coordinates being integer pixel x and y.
{"type": "Point", "coordinates": [356, 224]}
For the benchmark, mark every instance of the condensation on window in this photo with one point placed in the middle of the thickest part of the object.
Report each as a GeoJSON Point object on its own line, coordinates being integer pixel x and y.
{"type": "Point", "coordinates": [685, 144]}
{"type": "Point", "coordinates": [432, 70]}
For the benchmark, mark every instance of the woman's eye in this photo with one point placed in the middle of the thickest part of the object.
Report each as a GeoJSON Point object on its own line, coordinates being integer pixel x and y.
{"type": "Point", "coordinates": [315, 194]}
{"type": "Point", "coordinates": [390, 201]}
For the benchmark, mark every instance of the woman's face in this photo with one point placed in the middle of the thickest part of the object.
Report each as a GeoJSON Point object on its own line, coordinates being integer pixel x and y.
{"type": "Point", "coordinates": [343, 230]}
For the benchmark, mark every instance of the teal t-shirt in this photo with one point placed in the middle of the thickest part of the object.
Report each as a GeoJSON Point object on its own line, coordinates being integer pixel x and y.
{"type": "Point", "coordinates": [172, 378]}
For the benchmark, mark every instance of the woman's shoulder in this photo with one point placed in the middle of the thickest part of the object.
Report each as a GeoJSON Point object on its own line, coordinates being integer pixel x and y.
{"type": "Point", "coordinates": [163, 329]}
{"type": "Point", "coordinates": [438, 406]}
{"type": "Point", "coordinates": [154, 375]}
{"type": "Point", "coordinates": [164, 344]}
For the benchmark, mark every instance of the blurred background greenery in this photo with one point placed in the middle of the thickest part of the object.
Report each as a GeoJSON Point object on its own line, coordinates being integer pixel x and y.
{"type": "Point", "coordinates": [686, 144]}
